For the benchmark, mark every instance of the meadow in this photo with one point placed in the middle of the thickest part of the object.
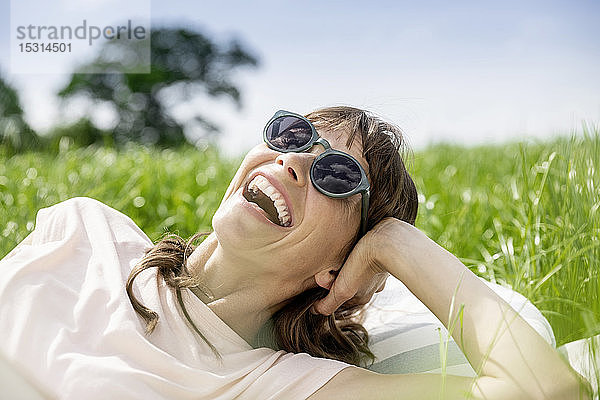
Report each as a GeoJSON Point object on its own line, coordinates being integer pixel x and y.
{"type": "Point", "coordinates": [524, 215]}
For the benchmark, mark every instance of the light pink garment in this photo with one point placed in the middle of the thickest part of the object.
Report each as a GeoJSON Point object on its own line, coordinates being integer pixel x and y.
{"type": "Point", "coordinates": [67, 324]}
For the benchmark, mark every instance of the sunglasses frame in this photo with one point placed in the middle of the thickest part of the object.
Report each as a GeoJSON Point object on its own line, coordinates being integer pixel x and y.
{"type": "Point", "coordinates": [363, 187]}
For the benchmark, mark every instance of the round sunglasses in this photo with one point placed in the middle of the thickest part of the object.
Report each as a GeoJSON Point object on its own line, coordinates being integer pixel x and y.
{"type": "Point", "coordinates": [334, 173]}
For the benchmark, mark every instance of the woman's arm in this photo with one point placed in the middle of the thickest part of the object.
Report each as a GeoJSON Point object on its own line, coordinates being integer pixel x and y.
{"type": "Point", "coordinates": [512, 360]}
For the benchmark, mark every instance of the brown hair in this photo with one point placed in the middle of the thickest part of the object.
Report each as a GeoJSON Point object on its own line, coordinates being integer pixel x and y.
{"type": "Point", "coordinates": [339, 336]}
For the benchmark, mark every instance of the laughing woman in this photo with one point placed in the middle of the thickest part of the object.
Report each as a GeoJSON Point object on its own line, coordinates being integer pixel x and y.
{"type": "Point", "coordinates": [267, 306]}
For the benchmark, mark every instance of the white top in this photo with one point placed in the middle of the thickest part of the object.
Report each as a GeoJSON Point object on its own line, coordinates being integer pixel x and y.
{"type": "Point", "coordinates": [67, 325]}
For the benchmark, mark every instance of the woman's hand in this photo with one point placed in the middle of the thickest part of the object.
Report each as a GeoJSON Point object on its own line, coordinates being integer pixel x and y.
{"type": "Point", "coordinates": [362, 274]}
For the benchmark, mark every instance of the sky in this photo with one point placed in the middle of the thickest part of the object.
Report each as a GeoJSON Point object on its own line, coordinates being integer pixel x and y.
{"type": "Point", "coordinates": [465, 72]}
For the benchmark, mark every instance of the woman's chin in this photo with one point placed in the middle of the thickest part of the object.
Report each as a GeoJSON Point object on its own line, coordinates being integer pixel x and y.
{"type": "Point", "coordinates": [235, 225]}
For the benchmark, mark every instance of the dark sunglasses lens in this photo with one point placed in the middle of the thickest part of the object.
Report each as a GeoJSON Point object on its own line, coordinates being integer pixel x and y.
{"type": "Point", "coordinates": [288, 133]}
{"type": "Point", "coordinates": [337, 174]}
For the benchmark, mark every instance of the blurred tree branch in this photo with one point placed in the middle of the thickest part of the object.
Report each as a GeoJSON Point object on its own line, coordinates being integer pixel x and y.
{"type": "Point", "coordinates": [15, 134]}
{"type": "Point", "coordinates": [183, 64]}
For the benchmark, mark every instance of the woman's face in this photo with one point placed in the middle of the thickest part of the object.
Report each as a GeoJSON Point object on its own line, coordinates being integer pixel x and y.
{"type": "Point", "coordinates": [319, 226]}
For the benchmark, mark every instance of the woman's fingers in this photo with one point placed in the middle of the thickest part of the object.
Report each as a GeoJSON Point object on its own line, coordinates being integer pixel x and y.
{"type": "Point", "coordinates": [369, 288]}
{"type": "Point", "coordinates": [362, 275]}
{"type": "Point", "coordinates": [358, 278]}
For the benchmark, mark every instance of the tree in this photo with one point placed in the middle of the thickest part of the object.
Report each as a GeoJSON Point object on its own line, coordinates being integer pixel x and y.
{"type": "Point", "coordinates": [15, 134]}
{"type": "Point", "coordinates": [183, 65]}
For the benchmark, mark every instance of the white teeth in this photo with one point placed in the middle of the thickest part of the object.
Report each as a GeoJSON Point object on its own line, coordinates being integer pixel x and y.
{"type": "Point", "coordinates": [260, 182]}
{"type": "Point", "coordinates": [279, 203]}
{"type": "Point", "coordinates": [270, 191]}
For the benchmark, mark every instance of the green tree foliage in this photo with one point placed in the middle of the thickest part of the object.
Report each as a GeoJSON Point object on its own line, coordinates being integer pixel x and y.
{"type": "Point", "coordinates": [184, 64]}
{"type": "Point", "coordinates": [15, 134]}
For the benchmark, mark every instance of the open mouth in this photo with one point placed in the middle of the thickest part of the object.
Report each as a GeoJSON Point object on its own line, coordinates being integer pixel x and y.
{"type": "Point", "coordinates": [260, 191]}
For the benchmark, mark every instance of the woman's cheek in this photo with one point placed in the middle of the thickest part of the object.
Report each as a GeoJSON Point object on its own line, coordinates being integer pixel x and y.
{"type": "Point", "coordinates": [320, 208]}
{"type": "Point", "coordinates": [254, 159]}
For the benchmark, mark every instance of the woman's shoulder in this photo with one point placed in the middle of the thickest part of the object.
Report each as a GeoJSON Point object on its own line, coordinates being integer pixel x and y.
{"type": "Point", "coordinates": [81, 215]}
{"type": "Point", "coordinates": [75, 205]}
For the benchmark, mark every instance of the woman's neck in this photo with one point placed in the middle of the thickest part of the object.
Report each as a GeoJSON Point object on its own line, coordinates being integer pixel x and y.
{"type": "Point", "coordinates": [237, 292]}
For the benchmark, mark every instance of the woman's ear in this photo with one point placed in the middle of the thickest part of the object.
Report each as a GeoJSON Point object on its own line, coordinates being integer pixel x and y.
{"type": "Point", "coordinates": [326, 277]}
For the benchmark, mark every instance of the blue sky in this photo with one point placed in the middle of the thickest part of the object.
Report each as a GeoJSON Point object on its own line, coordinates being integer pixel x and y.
{"type": "Point", "coordinates": [467, 72]}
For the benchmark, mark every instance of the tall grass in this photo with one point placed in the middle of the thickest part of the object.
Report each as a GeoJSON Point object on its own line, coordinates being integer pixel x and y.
{"type": "Point", "coordinates": [161, 190]}
{"type": "Point", "coordinates": [523, 215]}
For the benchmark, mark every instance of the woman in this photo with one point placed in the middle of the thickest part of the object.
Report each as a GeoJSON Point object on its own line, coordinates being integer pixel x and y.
{"type": "Point", "coordinates": [311, 225]}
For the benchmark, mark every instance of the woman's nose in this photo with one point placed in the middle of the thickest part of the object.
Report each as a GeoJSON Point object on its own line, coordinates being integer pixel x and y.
{"type": "Point", "coordinates": [296, 165]}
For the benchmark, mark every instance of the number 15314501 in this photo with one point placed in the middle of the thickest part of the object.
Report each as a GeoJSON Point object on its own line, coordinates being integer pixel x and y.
{"type": "Point", "coordinates": [45, 47]}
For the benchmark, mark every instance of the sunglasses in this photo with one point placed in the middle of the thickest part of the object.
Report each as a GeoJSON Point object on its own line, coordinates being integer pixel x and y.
{"type": "Point", "coordinates": [334, 173]}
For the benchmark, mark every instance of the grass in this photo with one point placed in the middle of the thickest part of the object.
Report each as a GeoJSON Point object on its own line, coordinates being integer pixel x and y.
{"type": "Point", "coordinates": [523, 215]}
{"type": "Point", "coordinates": [161, 190]}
